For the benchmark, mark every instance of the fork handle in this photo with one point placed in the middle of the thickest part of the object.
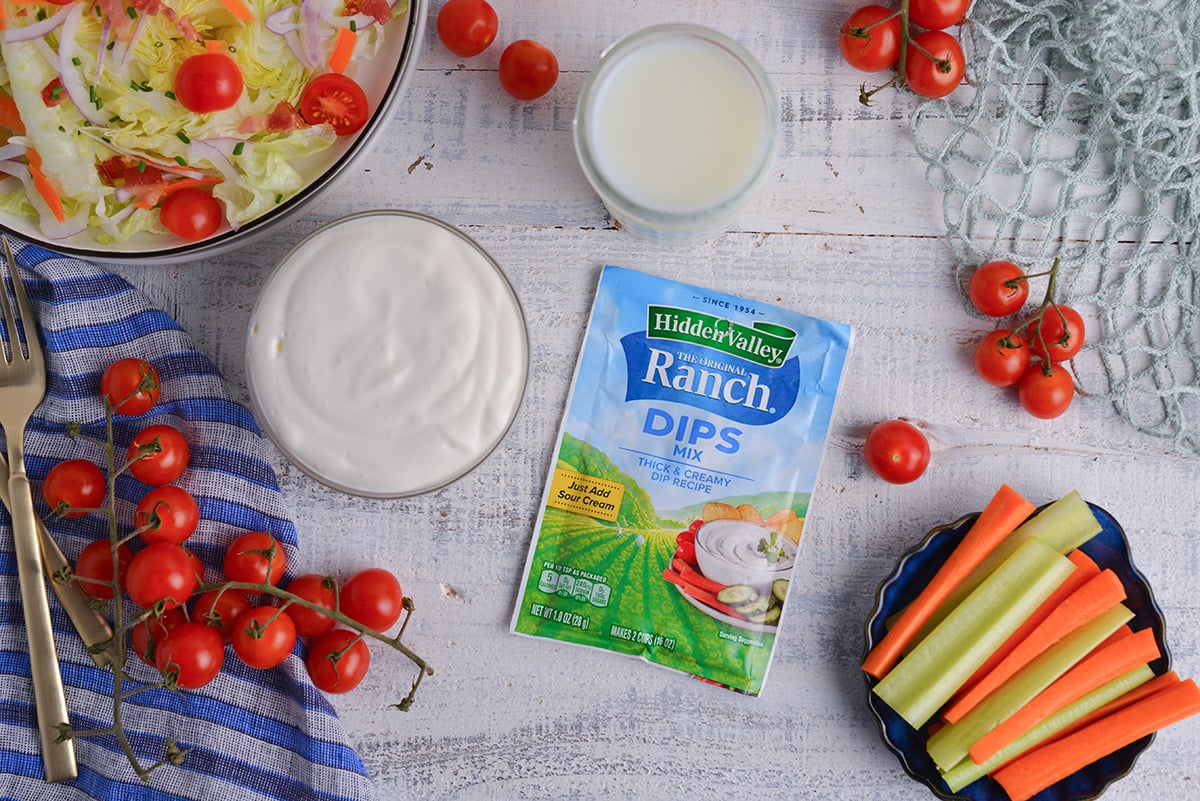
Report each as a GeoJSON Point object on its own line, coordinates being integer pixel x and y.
{"type": "Point", "coordinates": [57, 757]}
{"type": "Point", "coordinates": [91, 624]}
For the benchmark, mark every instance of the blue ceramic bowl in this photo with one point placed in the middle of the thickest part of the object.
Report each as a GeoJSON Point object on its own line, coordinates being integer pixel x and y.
{"type": "Point", "coordinates": [1109, 549]}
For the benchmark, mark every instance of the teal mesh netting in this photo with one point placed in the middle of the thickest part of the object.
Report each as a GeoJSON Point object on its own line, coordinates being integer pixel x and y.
{"type": "Point", "coordinates": [1079, 138]}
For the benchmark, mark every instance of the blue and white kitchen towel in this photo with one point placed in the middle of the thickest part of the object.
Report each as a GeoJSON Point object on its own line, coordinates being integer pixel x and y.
{"type": "Point", "coordinates": [254, 735]}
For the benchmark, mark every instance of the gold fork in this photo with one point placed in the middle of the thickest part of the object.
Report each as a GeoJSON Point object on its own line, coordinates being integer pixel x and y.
{"type": "Point", "coordinates": [22, 388]}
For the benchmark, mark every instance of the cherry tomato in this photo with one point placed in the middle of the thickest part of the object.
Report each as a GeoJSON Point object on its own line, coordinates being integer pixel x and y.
{"type": "Point", "coordinates": [145, 636]}
{"type": "Point", "coordinates": [162, 571]}
{"type": "Point", "coordinates": [897, 451]}
{"type": "Point", "coordinates": [220, 610]}
{"type": "Point", "coordinates": [197, 565]}
{"type": "Point", "coordinates": [317, 589]}
{"type": "Point", "coordinates": [936, 77]}
{"type": "Point", "coordinates": [191, 213]}
{"type": "Point", "coordinates": [334, 99]}
{"type": "Point", "coordinates": [467, 27]}
{"type": "Point", "coordinates": [192, 653]}
{"type": "Point", "coordinates": [54, 93]}
{"type": "Point", "coordinates": [263, 637]}
{"type": "Point", "coordinates": [208, 82]}
{"type": "Point", "coordinates": [528, 70]}
{"type": "Point", "coordinates": [249, 557]}
{"type": "Point", "coordinates": [373, 598]}
{"type": "Point", "coordinates": [687, 552]}
{"type": "Point", "coordinates": [95, 565]}
{"type": "Point", "coordinates": [163, 462]}
{"type": "Point", "coordinates": [870, 38]}
{"type": "Point", "coordinates": [1001, 358]}
{"type": "Point", "coordinates": [170, 512]}
{"type": "Point", "coordinates": [685, 536]}
{"type": "Point", "coordinates": [130, 386]}
{"type": "Point", "coordinates": [998, 288]}
{"type": "Point", "coordinates": [336, 666]}
{"type": "Point", "coordinates": [934, 15]}
{"type": "Point", "coordinates": [76, 485]}
{"type": "Point", "coordinates": [1058, 344]}
{"type": "Point", "coordinates": [695, 526]}
{"type": "Point", "coordinates": [1046, 390]}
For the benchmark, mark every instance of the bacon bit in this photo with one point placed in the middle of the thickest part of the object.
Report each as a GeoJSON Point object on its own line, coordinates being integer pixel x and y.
{"type": "Point", "coordinates": [379, 9]}
{"type": "Point", "coordinates": [187, 29]}
{"type": "Point", "coordinates": [114, 11]}
{"type": "Point", "coordinates": [283, 118]}
{"type": "Point", "coordinates": [127, 171]}
{"type": "Point", "coordinates": [54, 93]}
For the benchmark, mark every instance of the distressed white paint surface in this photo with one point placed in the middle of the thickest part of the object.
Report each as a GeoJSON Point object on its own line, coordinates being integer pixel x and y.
{"type": "Point", "coordinates": [847, 229]}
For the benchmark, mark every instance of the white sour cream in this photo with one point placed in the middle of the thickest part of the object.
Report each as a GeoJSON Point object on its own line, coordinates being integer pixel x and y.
{"type": "Point", "coordinates": [729, 551]}
{"type": "Point", "coordinates": [387, 354]}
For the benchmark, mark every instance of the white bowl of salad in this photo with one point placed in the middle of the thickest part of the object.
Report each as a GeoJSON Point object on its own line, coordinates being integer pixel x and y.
{"type": "Point", "coordinates": [169, 130]}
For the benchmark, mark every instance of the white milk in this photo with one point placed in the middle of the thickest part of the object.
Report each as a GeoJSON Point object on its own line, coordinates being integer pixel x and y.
{"type": "Point", "coordinates": [676, 130]}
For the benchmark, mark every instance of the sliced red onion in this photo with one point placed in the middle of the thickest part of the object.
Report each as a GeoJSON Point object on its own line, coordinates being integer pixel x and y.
{"type": "Point", "coordinates": [16, 169]}
{"type": "Point", "coordinates": [137, 32]}
{"type": "Point", "coordinates": [38, 29]}
{"type": "Point", "coordinates": [312, 37]}
{"type": "Point", "coordinates": [285, 20]}
{"type": "Point", "coordinates": [12, 151]}
{"type": "Point", "coordinates": [174, 169]}
{"type": "Point", "coordinates": [105, 33]}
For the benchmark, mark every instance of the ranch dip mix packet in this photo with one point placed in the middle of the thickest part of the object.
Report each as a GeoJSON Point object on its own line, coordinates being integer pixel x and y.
{"type": "Point", "coordinates": [674, 510]}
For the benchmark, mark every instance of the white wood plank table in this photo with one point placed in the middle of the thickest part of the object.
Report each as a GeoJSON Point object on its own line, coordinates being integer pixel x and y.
{"type": "Point", "coordinates": [848, 229]}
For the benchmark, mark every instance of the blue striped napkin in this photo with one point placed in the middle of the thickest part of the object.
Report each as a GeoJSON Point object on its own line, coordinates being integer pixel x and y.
{"type": "Point", "coordinates": [254, 734]}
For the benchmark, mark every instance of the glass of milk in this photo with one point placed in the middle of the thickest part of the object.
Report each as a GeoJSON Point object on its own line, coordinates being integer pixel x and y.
{"type": "Point", "coordinates": [676, 129]}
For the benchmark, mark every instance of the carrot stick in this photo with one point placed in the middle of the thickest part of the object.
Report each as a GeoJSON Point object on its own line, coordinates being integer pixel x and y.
{"type": "Point", "coordinates": [999, 518]}
{"type": "Point", "coordinates": [10, 115]}
{"type": "Point", "coordinates": [703, 596]}
{"type": "Point", "coordinates": [1030, 774]}
{"type": "Point", "coordinates": [1168, 679]}
{"type": "Point", "coordinates": [343, 49]}
{"type": "Point", "coordinates": [239, 10]}
{"type": "Point", "coordinates": [1100, 667]}
{"type": "Point", "coordinates": [44, 187]}
{"type": "Point", "coordinates": [692, 577]}
{"type": "Point", "coordinates": [1098, 594]}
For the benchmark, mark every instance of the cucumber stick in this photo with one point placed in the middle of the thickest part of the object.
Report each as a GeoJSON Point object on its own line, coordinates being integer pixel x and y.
{"type": "Point", "coordinates": [1063, 525]}
{"type": "Point", "coordinates": [918, 686]}
{"type": "Point", "coordinates": [967, 771]}
{"type": "Point", "coordinates": [949, 745]}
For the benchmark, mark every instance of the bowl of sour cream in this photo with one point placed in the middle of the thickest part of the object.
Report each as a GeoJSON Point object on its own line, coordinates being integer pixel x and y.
{"type": "Point", "coordinates": [743, 552]}
{"type": "Point", "coordinates": [387, 354]}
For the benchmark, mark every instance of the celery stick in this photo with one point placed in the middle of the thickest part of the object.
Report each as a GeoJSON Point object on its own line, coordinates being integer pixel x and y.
{"type": "Point", "coordinates": [925, 679]}
{"type": "Point", "coordinates": [967, 771]}
{"type": "Point", "coordinates": [950, 744]}
{"type": "Point", "coordinates": [1063, 525]}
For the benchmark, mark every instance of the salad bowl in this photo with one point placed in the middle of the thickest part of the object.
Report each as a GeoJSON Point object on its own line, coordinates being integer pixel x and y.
{"type": "Point", "coordinates": [1109, 549]}
{"type": "Point", "coordinates": [75, 179]}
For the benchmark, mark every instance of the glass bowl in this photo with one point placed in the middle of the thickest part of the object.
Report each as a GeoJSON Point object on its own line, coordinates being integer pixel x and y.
{"type": "Point", "coordinates": [383, 78]}
{"type": "Point", "coordinates": [1109, 549]}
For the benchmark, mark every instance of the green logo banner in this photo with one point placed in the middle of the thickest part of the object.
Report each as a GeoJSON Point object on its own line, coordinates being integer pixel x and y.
{"type": "Point", "coordinates": [762, 343]}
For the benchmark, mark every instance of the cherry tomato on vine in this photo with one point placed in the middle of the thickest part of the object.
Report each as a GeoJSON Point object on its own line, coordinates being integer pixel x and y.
{"type": "Point", "coordinates": [130, 386]}
{"type": "Point", "coordinates": [467, 27]}
{"type": "Point", "coordinates": [163, 465]}
{"type": "Point", "coordinates": [162, 571]}
{"type": "Point", "coordinates": [251, 555]}
{"type": "Point", "coordinates": [76, 484]}
{"type": "Point", "coordinates": [870, 38]}
{"type": "Point", "coordinates": [145, 636]}
{"type": "Point", "coordinates": [1058, 343]}
{"type": "Point", "coordinates": [191, 213]}
{"type": "Point", "coordinates": [1046, 390]}
{"type": "Point", "coordinates": [337, 100]}
{"type": "Point", "coordinates": [528, 69]}
{"type": "Point", "coordinates": [1001, 358]}
{"type": "Point", "coordinates": [208, 82]}
{"type": "Point", "coordinates": [373, 598]}
{"type": "Point", "coordinates": [170, 511]}
{"type": "Point", "coordinates": [939, 76]}
{"type": "Point", "coordinates": [897, 451]}
{"type": "Point", "coordinates": [263, 637]}
{"type": "Point", "coordinates": [95, 565]}
{"type": "Point", "coordinates": [998, 288]}
{"type": "Point", "coordinates": [197, 565]}
{"type": "Point", "coordinates": [192, 653]}
{"type": "Point", "coordinates": [220, 610]}
{"type": "Point", "coordinates": [316, 589]}
{"type": "Point", "coordinates": [934, 15]}
{"type": "Point", "coordinates": [336, 666]}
